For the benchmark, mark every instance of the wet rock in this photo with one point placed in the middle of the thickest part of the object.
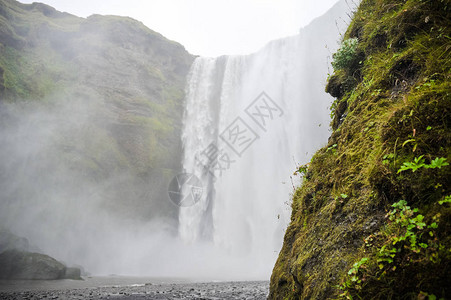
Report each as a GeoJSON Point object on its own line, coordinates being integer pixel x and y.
{"type": "Point", "coordinates": [15, 264]}
{"type": "Point", "coordinates": [72, 273]}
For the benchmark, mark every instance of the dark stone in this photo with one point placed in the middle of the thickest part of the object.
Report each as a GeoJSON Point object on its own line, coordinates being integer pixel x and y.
{"type": "Point", "coordinates": [72, 273]}
{"type": "Point", "coordinates": [15, 264]}
{"type": "Point", "coordinates": [334, 86]}
{"type": "Point", "coordinates": [339, 114]}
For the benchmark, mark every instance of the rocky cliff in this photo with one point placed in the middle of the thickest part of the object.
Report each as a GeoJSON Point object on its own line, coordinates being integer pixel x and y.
{"type": "Point", "coordinates": [372, 217]}
{"type": "Point", "coordinates": [89, 107]}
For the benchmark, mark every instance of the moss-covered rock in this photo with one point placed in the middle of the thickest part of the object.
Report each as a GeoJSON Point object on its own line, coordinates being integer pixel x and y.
{"type": "Point", "coordinates": [391, 108]}
{"type": "Point", "coordinates": [15, 264]}
{"type": "Point", "coordinates": [113, 91]}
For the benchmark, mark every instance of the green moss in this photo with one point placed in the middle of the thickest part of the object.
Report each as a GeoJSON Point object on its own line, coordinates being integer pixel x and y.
{"type": "Point", "coordinates": [114, 87]}
{"type": "Point", "coordinates": [33, 75]}
{"type": "Point", "coordinates": [400, 92]}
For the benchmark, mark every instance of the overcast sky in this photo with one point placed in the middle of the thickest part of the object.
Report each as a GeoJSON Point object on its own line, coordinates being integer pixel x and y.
{"type": "Point", "coordinates": [209, 27]}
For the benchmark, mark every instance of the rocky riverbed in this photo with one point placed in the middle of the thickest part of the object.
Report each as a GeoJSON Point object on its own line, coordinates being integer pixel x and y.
{"type": "Point", "coordinates": [208, 290]}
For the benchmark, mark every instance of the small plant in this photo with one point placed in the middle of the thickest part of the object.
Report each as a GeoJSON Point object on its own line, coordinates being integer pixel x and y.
{"type": "Point", "coordinates": [438, 162]}
{"type": "Point", "coordinates": [418, 162]}
{"type": "Point", "coordinates": [355, 269]}
{"type": "Point", "coordinates": [407, 236]}
{"type": "Point", "coordinates": [356, 278]}
{"type": "Point", "coordinates": [447, 199]}
{"type": "Point", "coordinates": [340, 199]}
{"type": "Point", "coordinates": [386, 254]}
{"type": "Point", "coordinates": [406, 218]}
{"type": "Point", "coordinates": [332, 148]}
{"type": "Point", "coordinates": [302, 170]}
{"type": "Point", "coordinates": [345, 55]}
{"type": "Point", "coordinates": [411, 233]}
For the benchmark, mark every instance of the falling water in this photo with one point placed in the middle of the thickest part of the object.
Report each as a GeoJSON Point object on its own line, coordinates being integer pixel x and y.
{"type": "Point", "coordinates": [278, 96]}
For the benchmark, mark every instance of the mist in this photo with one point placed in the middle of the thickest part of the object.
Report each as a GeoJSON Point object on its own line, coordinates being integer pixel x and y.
{"type": "Point", "coordinates": [85, 168]}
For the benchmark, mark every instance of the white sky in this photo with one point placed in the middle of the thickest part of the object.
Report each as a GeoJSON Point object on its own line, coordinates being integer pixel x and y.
{"type": "Point", "coordinates": [208, 27]}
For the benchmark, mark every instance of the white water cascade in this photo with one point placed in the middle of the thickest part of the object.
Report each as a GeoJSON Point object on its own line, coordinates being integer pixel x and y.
{"type": "Point", "coordinates": [245, 207]}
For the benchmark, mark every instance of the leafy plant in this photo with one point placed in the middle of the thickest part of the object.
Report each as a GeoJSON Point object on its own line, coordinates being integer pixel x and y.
{"type": "Point", "coordinates": [406, 218]}
{"type": "Point", "coordinates": [406, 234]}
{"type": "Point", "coordinates": [446, 200]}
{"type": "Point", "coordinates": [355, 279]}
{"type": "Point", "coordinates": [302, 170]}
{"type": "Point", "coordinates": [386, 254]}
{"type": "Point", "coordinates": [438, 162]}
{"type": "Point", "coordinates": [419, 162]}
{"type": "Point", "coordinates": [355, 268]}
{"type": "Point", "coordinates": [346, 54]}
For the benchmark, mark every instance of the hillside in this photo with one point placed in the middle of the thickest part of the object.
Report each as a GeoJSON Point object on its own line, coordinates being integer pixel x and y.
{"type": "Point", "coordinates": [90, 116]}
{"type": "Point", "coordinates": [372, 218]}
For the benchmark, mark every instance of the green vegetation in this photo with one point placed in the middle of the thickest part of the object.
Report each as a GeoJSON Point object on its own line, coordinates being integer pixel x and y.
{"type": "Point", "coordinates": [408, 243]}
{"type": "Point", "coordinates": [113, 90]}
{"type": "Point", "coordinates": [346, 54]}
{"type": "Point", "coordinates": [389, 151]}
{"type": "Point", "coordinates": [418, 162]}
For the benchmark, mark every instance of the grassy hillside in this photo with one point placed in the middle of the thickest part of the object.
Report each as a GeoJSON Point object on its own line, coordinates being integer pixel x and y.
{"type": "Point", "coordinates": [96, 100]}
{"type": "Point", "coordinates": [372, 218]}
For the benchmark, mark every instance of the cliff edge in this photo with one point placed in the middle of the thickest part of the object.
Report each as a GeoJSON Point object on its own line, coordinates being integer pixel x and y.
{"type": "Point", "coordinates": [372, 217]}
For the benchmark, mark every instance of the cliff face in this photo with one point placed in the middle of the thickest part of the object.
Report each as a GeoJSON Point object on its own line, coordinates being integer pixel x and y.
{"type": "Point", "coordinates": [89, 107]}
{"type": "Point", "coordinates": [372, 217]}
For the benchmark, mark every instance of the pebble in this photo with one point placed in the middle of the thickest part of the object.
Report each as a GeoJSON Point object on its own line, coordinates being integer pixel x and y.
{"type": "Point", "coordinates": [249, 290]}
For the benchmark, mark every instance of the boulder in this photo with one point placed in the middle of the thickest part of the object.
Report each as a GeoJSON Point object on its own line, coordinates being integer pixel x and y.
{"type": "Point", "coordinates": [20, 260]}
{"type": "Point", "coordinates": [72, 273]}
{"type": "Point", "coordinates": [15, 264]}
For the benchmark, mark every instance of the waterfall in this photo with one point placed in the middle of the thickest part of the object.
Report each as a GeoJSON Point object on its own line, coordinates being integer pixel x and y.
{"type": "Point", "coordinates": [249, 121]}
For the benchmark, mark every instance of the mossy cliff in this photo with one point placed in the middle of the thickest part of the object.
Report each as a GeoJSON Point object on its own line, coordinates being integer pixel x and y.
{"type": "Point", "coordinates": [105, 94]}
{"type": "Point", "coordinates": [351, 236]}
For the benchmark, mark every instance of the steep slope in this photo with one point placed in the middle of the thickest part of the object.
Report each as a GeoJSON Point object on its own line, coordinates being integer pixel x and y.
{"type": "Point", "coordinates": [90, 123]}
{"type": "Point", "coordinates": [372, 217]}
